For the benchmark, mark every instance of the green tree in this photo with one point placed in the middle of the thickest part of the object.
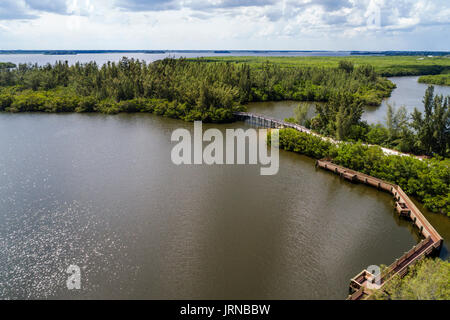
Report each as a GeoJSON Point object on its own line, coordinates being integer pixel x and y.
{"type": "Point", "coordinates": [346, 65]}
{"type": "Point", "coordinates": [426, 280]}
{"type": "Point", "coordinates": [378, 134]}
{"type": "Point", "coordinates": [433, 127]}
{"type": "Point", "coordinates": [301, 113]}
{"type": "Point", "coordinates": [338, 115]}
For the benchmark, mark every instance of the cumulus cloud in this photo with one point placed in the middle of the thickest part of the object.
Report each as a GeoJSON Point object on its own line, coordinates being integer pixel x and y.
{"type": "Point", "coordinates": [13, 9]}
{"type": "Point", "coordinates": [226, 4]}
{"type": "Point", "coordinates": [55, 6]}
{"type": "Point", "coordinates": [327, 5]}
{"type": "Point", "coordinates": [33, 9]}
{"type": "Point", "coordinates": [400, 14]}
{"type": "Point", "coordinates": [244, 23]}
{"type": "Point", "coordinates": [200, 5]}
{"type": "Point", "coordinates": [143, 5]}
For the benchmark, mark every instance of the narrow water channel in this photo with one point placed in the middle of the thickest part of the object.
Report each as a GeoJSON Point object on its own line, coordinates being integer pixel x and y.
{"type": "Point", "coordinates": [409, 93]}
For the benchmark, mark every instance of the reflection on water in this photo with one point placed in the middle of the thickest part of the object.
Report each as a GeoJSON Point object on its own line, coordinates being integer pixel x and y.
{"type": "Point", "coordinates": [41, 241]}
{"type": "Point", "coordinates": [101, 192]}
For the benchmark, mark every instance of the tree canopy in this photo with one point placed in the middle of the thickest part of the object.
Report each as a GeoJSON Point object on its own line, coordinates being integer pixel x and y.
{"type": "Point", "coordinates": [426, 280]}
{"type": "Point", "coordinates": [186, 89]}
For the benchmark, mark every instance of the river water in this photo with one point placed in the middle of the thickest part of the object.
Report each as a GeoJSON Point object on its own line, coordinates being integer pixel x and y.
{"type": "Point", "coordinates": [102, 58]}
{"type": "Point", "coordinates": [409, 93]}
{"type": "Point", "coordinates": [101, 192]}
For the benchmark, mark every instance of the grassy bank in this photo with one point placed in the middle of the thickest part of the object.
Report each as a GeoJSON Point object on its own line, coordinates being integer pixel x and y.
{"type": "Point", "coordinates": [386, 66]}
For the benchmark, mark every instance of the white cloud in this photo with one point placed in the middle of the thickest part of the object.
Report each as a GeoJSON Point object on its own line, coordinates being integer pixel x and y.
{"type": "Point", "coordinates": [225, 24]}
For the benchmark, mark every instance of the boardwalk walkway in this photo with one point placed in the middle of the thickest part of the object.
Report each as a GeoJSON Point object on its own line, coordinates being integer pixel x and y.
{"type": "Point", "coordinates": [268, 122]}
{"type": "Point", "coordinates": [362, 284]}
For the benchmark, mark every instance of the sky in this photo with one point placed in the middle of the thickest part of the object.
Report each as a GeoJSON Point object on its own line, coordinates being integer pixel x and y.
{"type": "Point", "coordinates": [225, 24]}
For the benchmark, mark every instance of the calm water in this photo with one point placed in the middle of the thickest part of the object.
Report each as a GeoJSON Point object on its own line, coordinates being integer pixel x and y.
{"type": "Point", "coordinates": [280, 109]}
{"type": "Point", "coordinates": [409, 93]}
{"type": "Point", "coordinates": [101, 192]}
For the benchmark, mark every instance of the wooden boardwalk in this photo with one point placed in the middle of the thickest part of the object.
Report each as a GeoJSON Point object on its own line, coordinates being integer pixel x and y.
{"type": "Point", "coordinates": [265, 121]}
{"type": "Point", "coordinates": [268, 122]}
{"type": "Point", "coordinates": [362, 284]}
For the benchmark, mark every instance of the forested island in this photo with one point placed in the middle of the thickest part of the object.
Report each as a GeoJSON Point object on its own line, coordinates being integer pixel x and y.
{"type": "Point", "coordinates": [212, 89]}
{"type": "Point", "coordinates": [179, 88]}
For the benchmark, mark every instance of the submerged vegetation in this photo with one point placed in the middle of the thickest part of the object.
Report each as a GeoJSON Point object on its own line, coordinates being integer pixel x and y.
{"type": "Point", "coordinates": [428, 279]}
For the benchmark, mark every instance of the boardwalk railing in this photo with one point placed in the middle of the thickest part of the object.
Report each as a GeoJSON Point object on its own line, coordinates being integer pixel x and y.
{"type": "Point", "coordinates": [268, 122]}
{"type": "Point", "coordinates": [405, 207]}
{"type": "Point", "coordinates": [401, 265]}
{"type": "Point", "coordinates": [359, 294]}
{"type": "Point", "coordinates": [362, 285]}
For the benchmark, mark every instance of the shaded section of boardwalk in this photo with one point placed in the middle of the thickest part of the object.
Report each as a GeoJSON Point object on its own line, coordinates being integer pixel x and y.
{"type": "Point", "coordinates": [362, 284]}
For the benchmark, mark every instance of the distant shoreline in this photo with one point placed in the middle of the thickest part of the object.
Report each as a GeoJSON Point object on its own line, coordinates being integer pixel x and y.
{"type": "Point", "coordinates": [369, 53]}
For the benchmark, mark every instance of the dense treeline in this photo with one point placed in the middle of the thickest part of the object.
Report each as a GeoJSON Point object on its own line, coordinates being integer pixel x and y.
{"type": "Point", "coordinates": [427, 133]}
{"type": "Point", "coordinates": [405, 71]}
{"type": "Point", "coordinates": [427, 180]}
{"type": "Point", "coordinates": [420, 133]}
{"type": "Point", "coordinates": [386, 66]}
{"type": "Point", "coordinates": [439, 79]}
{"type": "Point", "coordinates": [211, 91]}
{"type": "Point", "coordinates": [7, 65]}
{"type": "Point", "coordinates": [199, 90]}
{"type": "Point", "coordinates": [174, 88]}
{"type": "Point", "coordinates": [271, 82]}
{"type": "Point", "coordinates": [179, 88]}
